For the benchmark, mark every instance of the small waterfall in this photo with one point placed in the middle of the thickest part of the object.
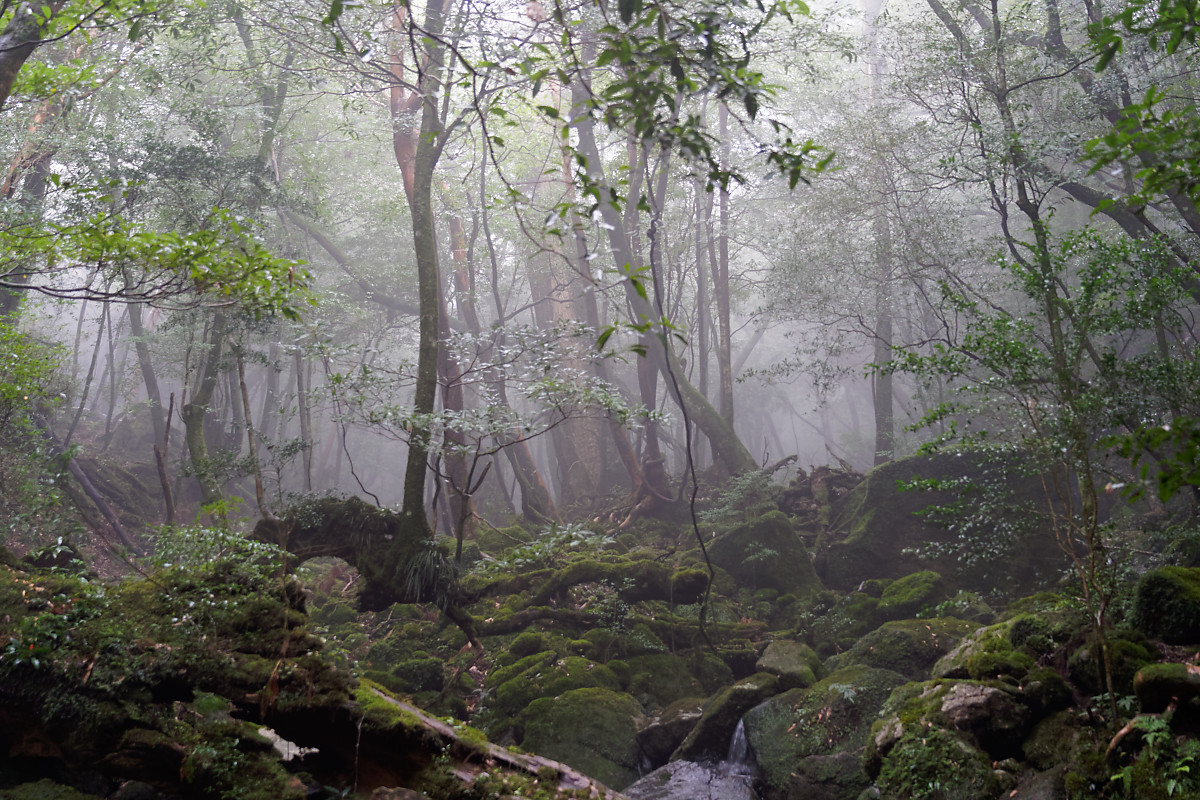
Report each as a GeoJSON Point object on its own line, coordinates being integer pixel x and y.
{"type": "Point", "coordinates": [739, 746]}
{"type": "Point", "coordinates": [740, 761]}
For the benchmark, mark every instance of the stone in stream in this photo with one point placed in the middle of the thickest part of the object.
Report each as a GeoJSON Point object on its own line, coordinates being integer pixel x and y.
{"type": "Point", "coordinates": [689, 780]}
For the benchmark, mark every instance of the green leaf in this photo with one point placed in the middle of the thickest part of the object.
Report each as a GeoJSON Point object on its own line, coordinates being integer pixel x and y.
{"type": "Point", "coordinates": [628, 9]}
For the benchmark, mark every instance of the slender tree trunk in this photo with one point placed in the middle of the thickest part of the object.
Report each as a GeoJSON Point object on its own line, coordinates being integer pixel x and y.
{"type": "Point", "coordinates": [195, 411]}
{"type": "Point", "coordinates": [306, 442]}
{"type": "Point", "coordinates": [721, 281]}
{"type": "Point", "coordinates": [728, 449]}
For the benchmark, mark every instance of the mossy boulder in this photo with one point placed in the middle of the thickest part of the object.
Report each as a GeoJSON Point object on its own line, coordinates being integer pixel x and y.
{"type": "Point", "coordinates": [688, 585]}
{"type": "Point", "coordinates": [878, 529]}
{"type": "Point", "coordinates": [1166, 605]}
{"type": "Point", "coordinates": [837, 776]}
{"type": "Point", "coordinates": [421, 674]}
{"type": "Point", "coordinates": [795, 663]}
{"type": "Point", "coordinates": [832, 716]}
{"type": "Point", "coordinates": [527, 643]}
{"type": "Point", "coordinates": [1155, 685]}
{"type": "Point", "coordinates": [992, 716]}
{"type": "Point", "coordinates": [660, 679]}
{"type": "Point", "coordinates": [542, 675]}
{"type": "Point", "coordinates": [936, 764]}
{"type": "Point", "coordinates": [988, 652]}
{"type": "Point", "coordinates": [910, 647]}
{"type": "Point", "coordinates": [662, 734]}
{"type": "Point", "coordinates": [766, 553]}
{"type": "Point", "coordinates": [709, 738]}
{"type": "Point", "coordinates": [838, 625]}
{"type": "Point", "coordinates": [593, 730]}
{"type": "Point", "coordinates": [1055, 740]}
{"type": "Point", "coordinates": [905, 597]}
{"type": "Point", "coordinates": [1125, 656]}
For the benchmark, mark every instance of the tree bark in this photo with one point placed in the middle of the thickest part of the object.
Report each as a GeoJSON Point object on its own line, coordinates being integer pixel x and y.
{"type": "Point", "coordinates": [194, 413]}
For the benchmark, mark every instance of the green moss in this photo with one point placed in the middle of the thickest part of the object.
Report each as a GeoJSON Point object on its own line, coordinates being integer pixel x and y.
{"type": "Point", "coordinates": [838, 628]}
{"type": "Point", "coordinates": [834, 715]}
{"type": "Point", "coordinates": [936, 765]}
{"type": "Point", "coordinates": [44, 789]}
{"type": "Point", "coordinates": [910, 647]}
{"type": "Point", "coordinates": [544, 675]}
{"type": "Point", "coordinates": [527, 643]}
{"type": "Point", "coordinates": [688, 585]}
{"type": "Point", "coordinates": [911, 594]}
{"type": "Point", "coordinates": [659, 680]}
{"type": "Point", "coordinates": [766, 553]}
{"type": "Point", "coordinates": [421, 674]}
{"type": "Point", "coordinates": [1167, 605]}
{"type": "Point", "coordinates": [1125, 656]}
{"type": "Point", "coordinates": [593, 730]}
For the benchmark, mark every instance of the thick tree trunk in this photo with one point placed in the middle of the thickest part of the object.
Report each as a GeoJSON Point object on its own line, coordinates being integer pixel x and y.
{"type": "Point", "coordinates": [19, 39]}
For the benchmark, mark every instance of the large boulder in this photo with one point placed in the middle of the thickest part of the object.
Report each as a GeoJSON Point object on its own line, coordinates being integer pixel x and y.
{"type": "Point", "coordinates": [833, 716]}
{"type": "Point", "coordinates": [542, 674]}
{"type": "Point", "coordinates": [991, 716]}
{"type": "Point", "coordinates": [1166, 605]}
{"type": "Point", "coordinates": [766, 553]}
{"type": "Point", "coordinates": [882, 530]}
{"type": "Point", "coordinates": [710, 737]}
{"type": "Point", "coordinates": [910, 646]}
{"type": "Point", "coordinates": [592, 730]}
{"type": "Point", "coordinates": [905, 597]}
{"type": "Point", "coordinates": [795, 663]}
{"type": "Point", "coordinates": [936, 765]}
{"type": "Point", "coordinates": [661, 734]}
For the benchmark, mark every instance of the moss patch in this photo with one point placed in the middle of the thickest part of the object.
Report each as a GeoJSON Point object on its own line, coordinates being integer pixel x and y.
{"type": "Point", "coordinates": [1167, 605]}
{"type": "Point", "coordinates": [593, 730]}
{"type": "Point", "coordinates": [835, 715]}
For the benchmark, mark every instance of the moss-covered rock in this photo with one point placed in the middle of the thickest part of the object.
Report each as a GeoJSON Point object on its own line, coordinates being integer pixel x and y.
{"type": "Point", "coordinates": [834, 715]}
{"type": "Point", "coordinates": [593, 730]}
{"type": "Point", "coordinates": [1167, 605]}
{"type": "Point", "coordinates": [420, 674]}
{"type": "Point", "coordinates": [658, 680]}
{"type": "Point", "coordinates": [1125, 656]}
{"type": "Point", "coordinates": [1156, 684]}
{"type": "Point", "coordinates": [1055, 740]}
{"type": "Point", "coordinates": [766, 553]}
{"type": "Point", "coordinates": [936, 765]}
{"type": "Point", "coordinates": [878, 531]}
{"type": "Point", "coordinates": [905, 597]}
{"type": "Point", "coordinates": [662, 734]}
{"type": "Point", "coordinates": [796, 664]}
{"type": "Point", "coordinates": [836, 627]}
{"type": "Point", "coordinates": [910, 647]}
{"type": "Point", "coordinates": [527, 643]}
{"type": "Point", "coordinates": [542, 675]}
{"type": "Point", "coordinates": [709, 737]}
{"type": "Point", "coordinates": [688, 585]}
{"type": "Point", "coordinates": [993, 716]}
{"type": "Point", "coordinates": [837, 776]}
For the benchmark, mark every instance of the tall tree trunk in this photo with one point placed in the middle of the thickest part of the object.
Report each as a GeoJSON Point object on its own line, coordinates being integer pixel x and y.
{"type": "Point", "coordinates": [417, 152]}
{"type": "Point", "coordinates": [195, 411]}
{"type": "Point", "coordinates": [146, 364]}
{"type": "Point", "coordinates": [721, 281]}
{"type": "Point", "coordinates": [728, 450]}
